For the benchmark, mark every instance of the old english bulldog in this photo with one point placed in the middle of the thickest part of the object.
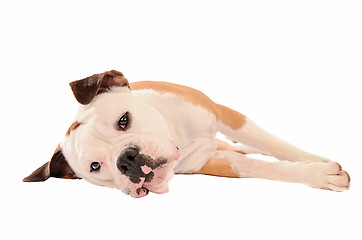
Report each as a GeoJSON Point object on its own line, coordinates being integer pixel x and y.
{"type": "Point", "coordinates": [135, 137]}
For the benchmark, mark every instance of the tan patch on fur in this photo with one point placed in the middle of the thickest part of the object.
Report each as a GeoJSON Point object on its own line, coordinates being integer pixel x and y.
{"type": "Point", "coordinates": [228, 116]}
{"type": "Point", "coordinates": [218, 167]}
{"type": "Point", "coordinates": [187, 93]}
{"type": "Point", "coordinates": [72, 127]}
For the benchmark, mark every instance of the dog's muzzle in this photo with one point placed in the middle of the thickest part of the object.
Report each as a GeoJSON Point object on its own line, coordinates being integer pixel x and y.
{"type": "Point", "coordinates": [136, 166]}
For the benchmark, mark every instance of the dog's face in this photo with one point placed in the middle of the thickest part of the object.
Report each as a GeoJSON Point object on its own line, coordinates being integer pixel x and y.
{"type": "Point", "coordinates": [116, 141]}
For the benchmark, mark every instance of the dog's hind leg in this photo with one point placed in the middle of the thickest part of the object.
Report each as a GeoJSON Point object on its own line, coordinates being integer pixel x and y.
{"type": "Point", "coordinates": [241, 129]}
{"type": "Point", "coordinates": [322, 175]}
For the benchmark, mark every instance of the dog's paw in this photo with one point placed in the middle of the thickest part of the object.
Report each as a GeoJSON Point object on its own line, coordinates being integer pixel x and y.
{"type": "Point", "coordinates": [327, 175]}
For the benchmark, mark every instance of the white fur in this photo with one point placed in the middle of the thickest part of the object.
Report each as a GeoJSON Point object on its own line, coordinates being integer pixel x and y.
{"type": "Point", "coordinates": [192, 127]}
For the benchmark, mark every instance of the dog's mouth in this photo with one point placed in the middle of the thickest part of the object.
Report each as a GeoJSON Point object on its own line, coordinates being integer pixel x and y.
{"type": "Point", "coordinates": [142, 191]}
{"type": "Point", "coordinates": [145, 189]}
{"type": "Point", "coordinates": [158, 184]}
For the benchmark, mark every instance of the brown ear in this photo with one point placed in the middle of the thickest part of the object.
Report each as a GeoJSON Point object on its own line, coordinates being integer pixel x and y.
{"type": "Point", "coordinates": [57, 167]}
{"type": "Point", "coordinates": [86, 89]}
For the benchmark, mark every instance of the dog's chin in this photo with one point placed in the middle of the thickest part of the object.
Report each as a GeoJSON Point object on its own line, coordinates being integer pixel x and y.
{"type": "Point", "coordinates": [138, 192]}
{"type": "Point", "coordinates": [159, 186]}
{"type": "Point", "coordinates": [159, 189]}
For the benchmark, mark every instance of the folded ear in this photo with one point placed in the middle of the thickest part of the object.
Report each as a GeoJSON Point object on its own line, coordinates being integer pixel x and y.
{"type": "Point", "coordinates": [86, 89]}
{"type": "Point", "coordinates": [57, 167]}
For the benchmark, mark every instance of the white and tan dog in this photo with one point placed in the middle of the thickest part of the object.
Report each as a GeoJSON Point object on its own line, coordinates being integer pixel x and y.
{"type": "Point", "coordinates": [134, 137]}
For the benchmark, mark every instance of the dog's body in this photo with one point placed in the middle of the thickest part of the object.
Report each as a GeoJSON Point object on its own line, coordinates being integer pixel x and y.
{"type": "Point", "coordinates": [134, 137]}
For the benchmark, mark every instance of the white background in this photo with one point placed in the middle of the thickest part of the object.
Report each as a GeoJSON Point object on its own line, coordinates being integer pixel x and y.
{"type": "Point", "coordinates": [294, 67]}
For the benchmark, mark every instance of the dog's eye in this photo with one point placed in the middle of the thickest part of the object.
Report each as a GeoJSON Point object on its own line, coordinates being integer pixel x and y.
{"type": "Point", "coordinates": [123, 121]}
{"type": "Point", "coordinates": [95, 166]}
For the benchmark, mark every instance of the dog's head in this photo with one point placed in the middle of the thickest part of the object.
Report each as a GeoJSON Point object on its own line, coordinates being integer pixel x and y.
{"type": "Point", "coordinates": [115, 141]}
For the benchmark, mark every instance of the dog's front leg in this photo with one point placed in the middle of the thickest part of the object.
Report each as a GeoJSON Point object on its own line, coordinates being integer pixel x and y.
{"type": "Point", "coordinates": [314, 174]}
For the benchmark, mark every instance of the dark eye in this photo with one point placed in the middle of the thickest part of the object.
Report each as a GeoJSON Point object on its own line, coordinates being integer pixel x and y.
{"type": "Point", "coordinates": [123, 121]}
{"type": "Point", "coordinates": [95, 166]}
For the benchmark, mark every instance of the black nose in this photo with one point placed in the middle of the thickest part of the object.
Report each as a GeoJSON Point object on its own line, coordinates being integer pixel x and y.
{"type": "Point", "coordinates": [127, 159]}
{"type": "Point", "coordinates": [130, 162]}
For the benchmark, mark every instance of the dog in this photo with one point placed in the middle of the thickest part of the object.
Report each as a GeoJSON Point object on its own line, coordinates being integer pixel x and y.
{"type": "Point", "coordinates": [135, 137]}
